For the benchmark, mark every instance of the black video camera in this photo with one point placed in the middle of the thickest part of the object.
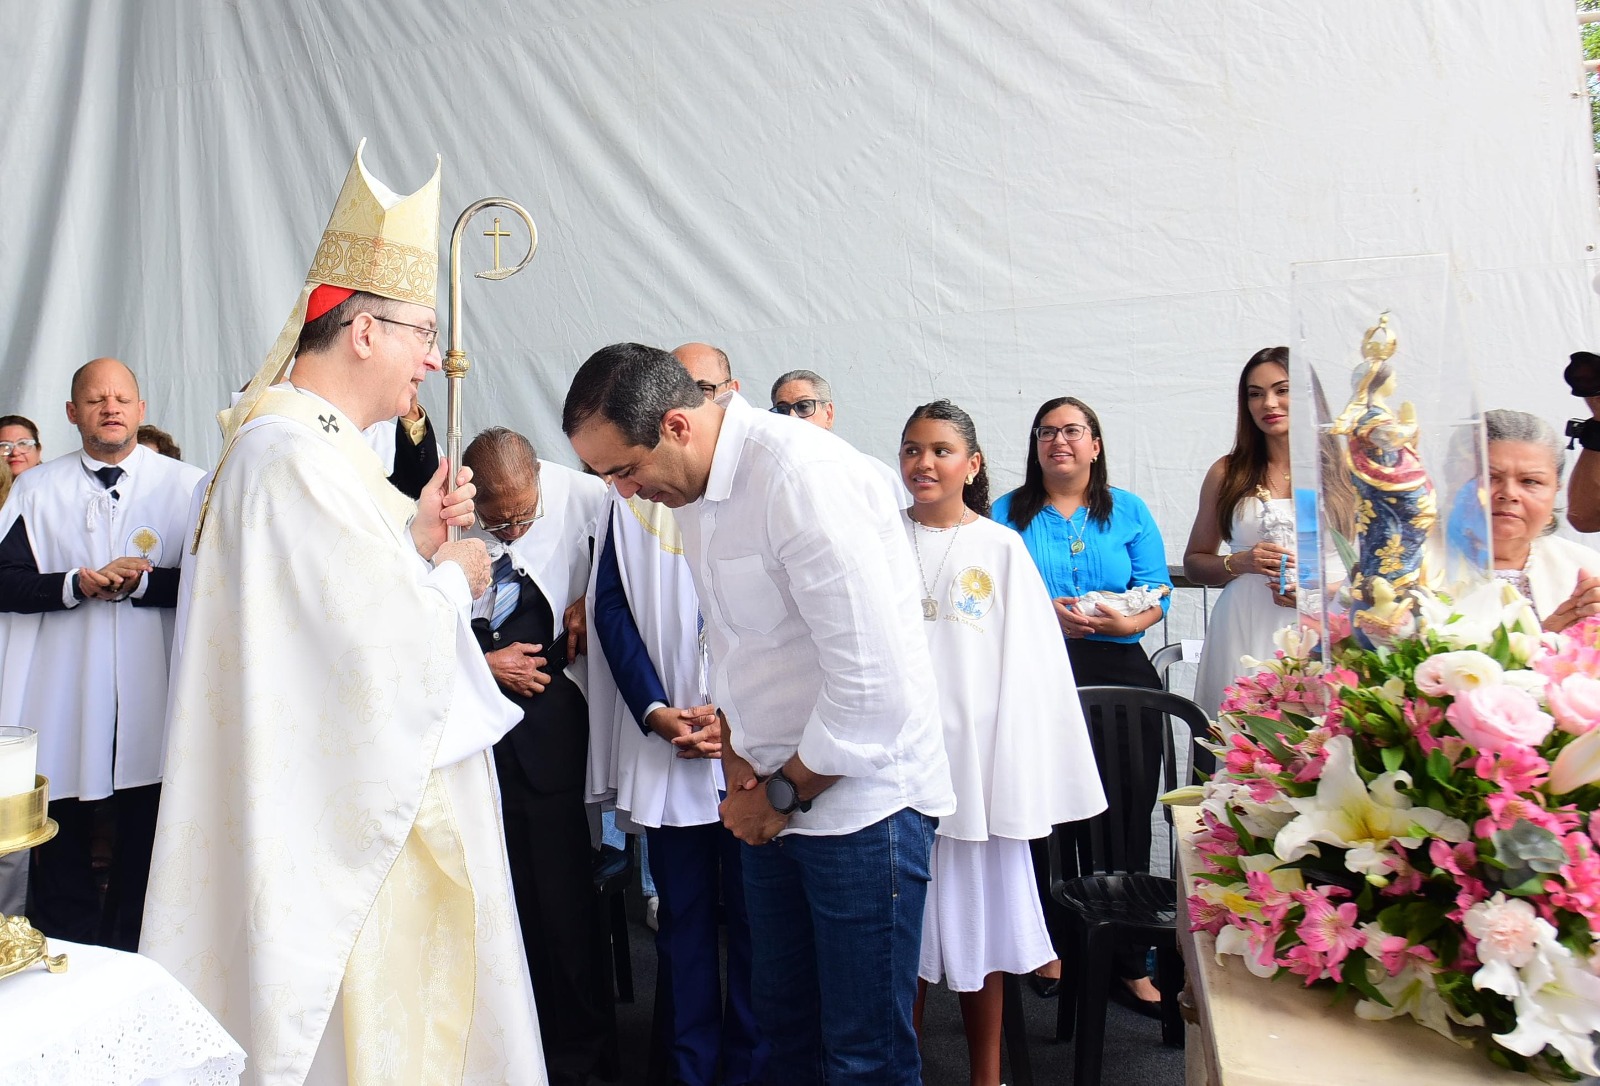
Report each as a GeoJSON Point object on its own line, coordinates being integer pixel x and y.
{"type": "Point", "coordinates": [1583, 374]}
{"type": "Point", "coordinates": [1583, 377]}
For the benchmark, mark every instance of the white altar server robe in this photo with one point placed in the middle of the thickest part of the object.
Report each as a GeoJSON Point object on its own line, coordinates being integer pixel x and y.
{"type": "Point", "coordinates": [1019, 750]}
{"type": "Point", "coordinates": [92, 679]}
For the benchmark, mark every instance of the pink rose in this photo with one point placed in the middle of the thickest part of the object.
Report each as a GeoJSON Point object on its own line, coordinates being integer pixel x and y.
{"type": "Point", "coordinates": [1492, 718]}
{"type": "Point", "coordinates": [1575, 702]}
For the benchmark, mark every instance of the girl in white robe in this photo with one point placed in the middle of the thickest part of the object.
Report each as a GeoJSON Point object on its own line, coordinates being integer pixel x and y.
{"type": "Point", "coordinates": [1013, 729]}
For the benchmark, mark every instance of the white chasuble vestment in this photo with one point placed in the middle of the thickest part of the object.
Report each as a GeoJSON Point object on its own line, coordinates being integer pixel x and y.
{"type": "Point", "coordinates": [641, 772]}
{"type": "Point", "coordinates": [1014, 731]}
{"type": "Point", "coordinates": [330, 826]}
{"type": "Point", "coordinates": [92, 678]}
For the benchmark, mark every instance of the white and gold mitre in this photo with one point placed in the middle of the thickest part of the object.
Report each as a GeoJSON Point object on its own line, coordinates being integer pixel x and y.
{"type": "Point", "coordinates": [376, 241]}
{"type": "Point", "coordinates": [380, 242]}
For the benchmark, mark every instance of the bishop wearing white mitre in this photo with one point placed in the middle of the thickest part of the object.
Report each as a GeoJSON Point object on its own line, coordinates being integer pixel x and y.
{"type": "Point", "coordinates": [330, 873]}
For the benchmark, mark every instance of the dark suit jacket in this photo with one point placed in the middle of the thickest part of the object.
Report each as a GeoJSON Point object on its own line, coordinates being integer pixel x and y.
{"type": "Point", "coordinates": [414, 465]}
{"type": "Point", "coordinates": [550, 747]}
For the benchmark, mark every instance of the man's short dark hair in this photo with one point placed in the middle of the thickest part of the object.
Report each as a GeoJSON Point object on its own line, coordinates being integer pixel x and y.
{"type": "Point", "coordinates": [320, 334]}
{"type": "Point", "coordinates": [500, 458]}
{"type": "Point", "coordinates": [630, 386]}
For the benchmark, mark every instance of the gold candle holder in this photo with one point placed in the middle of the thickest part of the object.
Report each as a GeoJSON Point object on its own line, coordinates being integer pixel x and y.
{"type": "Point", "coordinates": [24, 824]}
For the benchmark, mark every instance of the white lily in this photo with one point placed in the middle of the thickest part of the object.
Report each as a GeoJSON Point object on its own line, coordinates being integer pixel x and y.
{"type": "Point", "coordinates": [1557, 1003]}
{"type": "Point", "coordinates": [1525, 647]}
{"type": "Point", "coordinates": [1296, 641]}
{"type": "Point", "coordinates": [1578, 764]}
{"type": "Point", "coordinates": [1392, 691]}
{"type": "Point", "coordinates": [1261, 819]}
{"type": "Point", "coordinates": [1412, 991]}
{"type": "Point", "coordinates": [1472, 618]}
{"type": "Point", "coordinates": [1346, 813]}
{"type": "Point", "coordinates": [1258, 959]}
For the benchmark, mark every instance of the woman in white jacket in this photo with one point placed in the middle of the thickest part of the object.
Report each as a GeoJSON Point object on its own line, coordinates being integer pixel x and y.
{"type": "Point", "coordinates": [1560, 577]}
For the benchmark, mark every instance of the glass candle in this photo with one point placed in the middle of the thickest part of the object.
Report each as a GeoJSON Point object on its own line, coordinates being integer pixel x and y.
{"type": "Point", "coordinates": [19, 758]}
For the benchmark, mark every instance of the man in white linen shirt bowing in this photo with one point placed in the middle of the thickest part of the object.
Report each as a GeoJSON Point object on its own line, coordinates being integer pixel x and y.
{"type": "Point", "coordinates": [836, 768]}
{"type": "Point", "coordinates": [330, 874]}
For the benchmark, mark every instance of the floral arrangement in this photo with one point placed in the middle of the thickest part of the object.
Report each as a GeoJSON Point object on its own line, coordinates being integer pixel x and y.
{"type": "Point", "coordinates": [1415, 824]}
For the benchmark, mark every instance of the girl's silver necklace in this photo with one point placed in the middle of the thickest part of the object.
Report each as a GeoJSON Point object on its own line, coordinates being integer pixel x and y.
{"type": "Point", "coordinates": [930, 606]}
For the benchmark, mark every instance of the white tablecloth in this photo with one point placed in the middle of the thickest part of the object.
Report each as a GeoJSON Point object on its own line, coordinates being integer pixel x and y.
{"type": "Point", "coordinates": [112, 1019]}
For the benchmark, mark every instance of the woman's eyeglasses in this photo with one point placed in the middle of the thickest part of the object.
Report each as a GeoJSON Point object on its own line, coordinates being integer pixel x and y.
{"type": "Point", "coordinates": [800, 409]}
{"type": "Point", "coordinates": [1071, 431]}
{"type": "Point", "coordinates": [25, 443]}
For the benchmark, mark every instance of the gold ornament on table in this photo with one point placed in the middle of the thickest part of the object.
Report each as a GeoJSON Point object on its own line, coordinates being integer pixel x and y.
{"type": "Point", "coordinates": [455, 359]}
{"type": "Point", "coordinates": [23, 825]}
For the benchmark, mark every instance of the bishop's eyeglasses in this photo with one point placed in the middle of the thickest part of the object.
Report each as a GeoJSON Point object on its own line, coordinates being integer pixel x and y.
{"type": "Point", "coordinates": [429, 336]}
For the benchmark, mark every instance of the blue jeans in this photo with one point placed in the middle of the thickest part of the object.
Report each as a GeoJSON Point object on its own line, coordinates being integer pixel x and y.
{"type": "Point", "coordinates": [836, 932]}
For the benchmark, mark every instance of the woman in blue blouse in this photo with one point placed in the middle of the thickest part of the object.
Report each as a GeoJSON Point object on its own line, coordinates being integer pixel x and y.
{"type": "Point", "coordinates": [1086, 535]}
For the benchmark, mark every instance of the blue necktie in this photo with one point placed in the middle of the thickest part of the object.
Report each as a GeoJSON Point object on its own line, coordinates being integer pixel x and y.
{"type": "Point", "coordinates": [108, 477]}
{"type": "Point", "coordinates": [507, 591]}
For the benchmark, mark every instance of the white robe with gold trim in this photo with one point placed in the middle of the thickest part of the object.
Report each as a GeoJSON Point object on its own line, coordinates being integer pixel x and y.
{"type": "Point", "coordinates": [641, 773]}
{"type": "Point", "coordinates": [1019, 749]}
{"type": "Point", "coordinates": [309, 846]}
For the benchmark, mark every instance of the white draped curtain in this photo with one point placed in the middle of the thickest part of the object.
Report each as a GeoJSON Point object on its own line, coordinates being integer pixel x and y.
{"type": "Point", "coordinates": [991, 200]}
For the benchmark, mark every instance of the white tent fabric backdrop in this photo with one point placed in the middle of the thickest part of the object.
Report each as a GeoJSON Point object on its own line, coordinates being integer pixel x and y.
{"type": "Point", "coordinates": [991, 200]}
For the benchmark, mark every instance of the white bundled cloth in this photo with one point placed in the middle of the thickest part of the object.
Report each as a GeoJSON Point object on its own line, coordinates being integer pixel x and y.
{"type": "Point", "coordinates": [1135, 601]}
{"type": "Point", "coordinates": [649, 784]}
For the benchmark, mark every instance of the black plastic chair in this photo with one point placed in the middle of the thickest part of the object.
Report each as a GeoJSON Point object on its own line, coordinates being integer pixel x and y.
{"type": "Point", "coordinates": [1109, 898]}
{"type": "Point", "coordinates": [614, 870]}
{"type": "Point", "coordinates": [1163, 659]}
{"type": "Point", "coordinates": [1014, 1028]}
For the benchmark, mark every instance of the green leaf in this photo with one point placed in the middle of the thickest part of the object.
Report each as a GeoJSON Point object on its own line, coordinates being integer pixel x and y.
{"type": "Point", "coordinates": [1355, 969]}
{"type": "Point", "coordinates": [1529, 888]}
{"type": "Point", "coordinates": [1264, 731]}
{"type": "Point", "coordinates": [1347, 552]}
{"type": "Point", "coordinates": [1393, 758]}
{"type": "Point", "coordinates": [1247, 840]}
{"type": "Point", "coordinates": [1439, 770]}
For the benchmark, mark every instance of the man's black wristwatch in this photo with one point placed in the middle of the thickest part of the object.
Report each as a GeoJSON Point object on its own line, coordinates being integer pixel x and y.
{"type": "Point", "coordinates": [1585, 432]}
{"type": "Point", "coordinates": [784, 796]}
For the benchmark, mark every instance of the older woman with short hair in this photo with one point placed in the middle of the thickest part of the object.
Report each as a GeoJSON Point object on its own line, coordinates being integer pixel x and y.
{"type": "Point", "coordinates": [1560, 577]}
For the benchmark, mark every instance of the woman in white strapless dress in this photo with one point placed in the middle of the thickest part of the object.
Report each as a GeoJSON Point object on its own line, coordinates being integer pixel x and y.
{"type": "Point", "coordinates": [1246, 501]}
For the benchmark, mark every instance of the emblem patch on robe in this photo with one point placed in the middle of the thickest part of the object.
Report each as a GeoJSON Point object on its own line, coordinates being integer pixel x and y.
{"type": "Point", "coordinates": [144, 541]}
{"type": "Point", "coordinates": [972, 592]}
